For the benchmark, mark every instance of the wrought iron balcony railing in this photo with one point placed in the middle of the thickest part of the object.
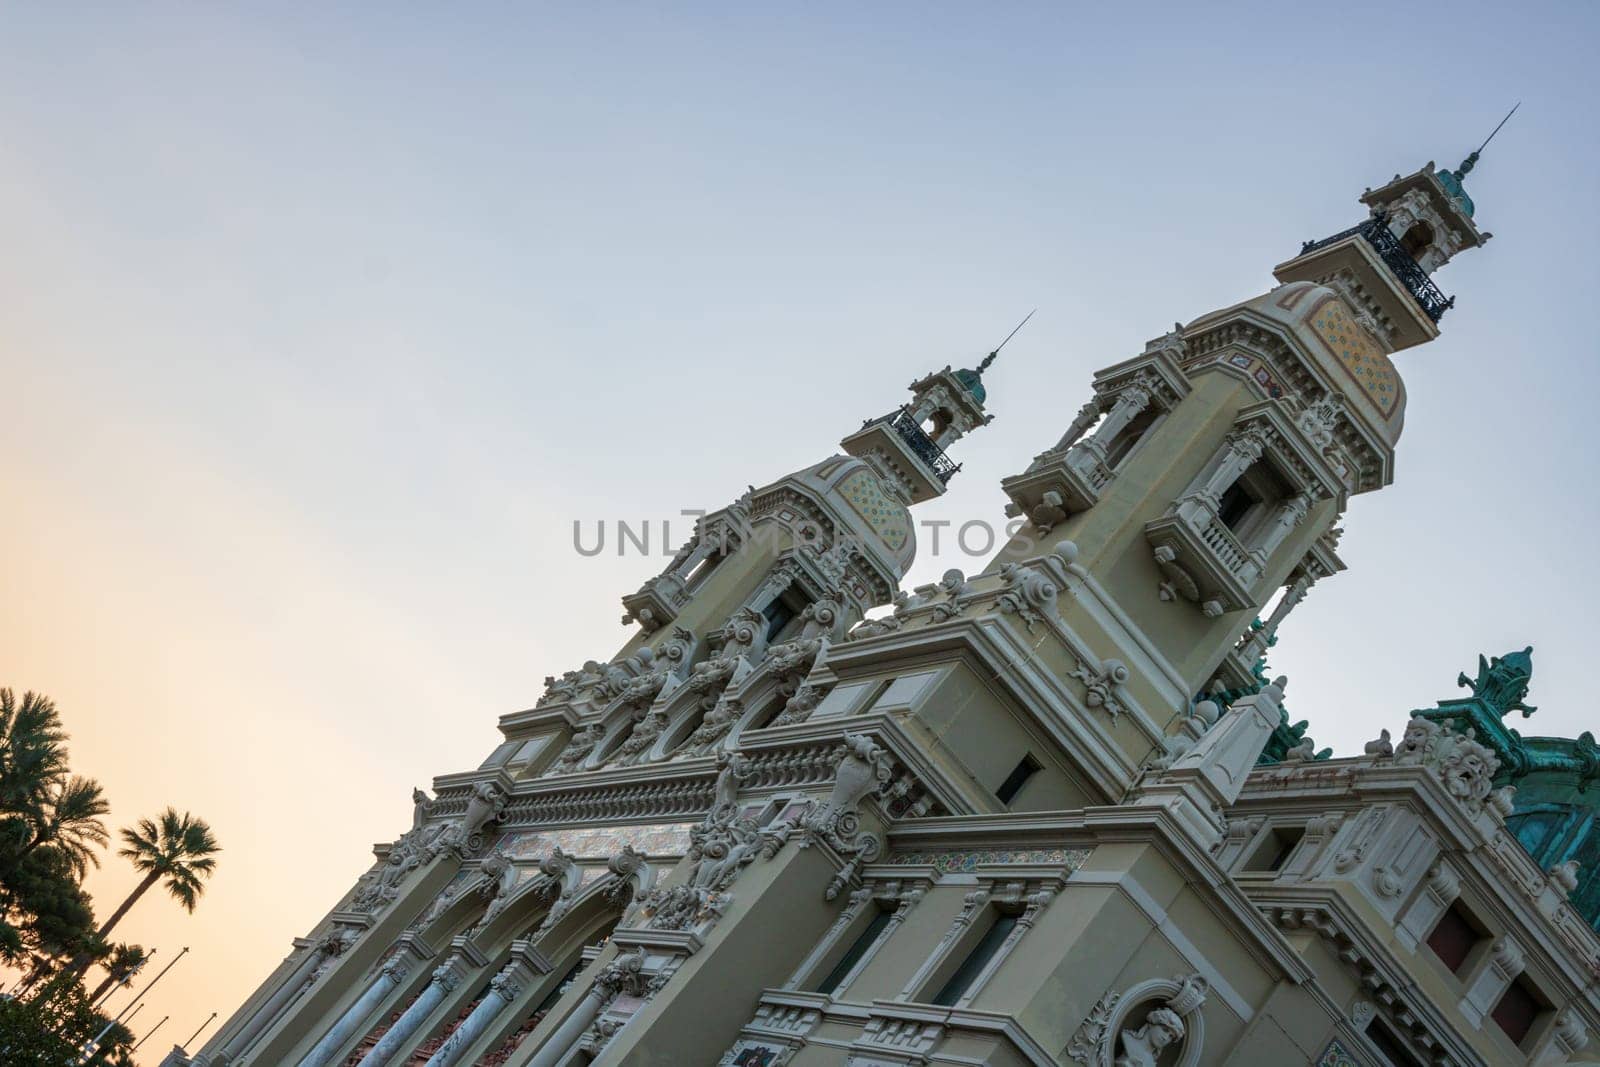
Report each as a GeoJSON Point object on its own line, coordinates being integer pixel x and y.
{"type": "Point", "coordinates": [1428, 296]}
{"type": "Point", "coordinates": [920, 444]}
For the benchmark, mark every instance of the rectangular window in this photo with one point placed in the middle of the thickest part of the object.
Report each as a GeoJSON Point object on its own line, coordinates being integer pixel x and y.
{"type": "Point", "coordinates": [1235, 505]}
{"type": "Point", "coordinates": [857, 949]}
{"type": "Point", "coordinates": [1519, 1006]}
{"type": "Point", "coordinates": [1454, 936]}
{"type": "Point", "coordinates": [779, 614]}
{"type": "Point", "coordinates": [1394, 1050]}
{"type": "Point", "coordinates": [1130, 436]}
{"type": "Point", "coordinates": [702, 569]}
{"type": "Point", "coordinates": [1274, 851]}
{"type": "Point", "coordinates": [1025, 769]}
{"type": "Point", "coordinates": [976, 961]}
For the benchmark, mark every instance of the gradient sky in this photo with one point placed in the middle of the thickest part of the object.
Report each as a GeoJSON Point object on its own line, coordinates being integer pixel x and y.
{"type": "Point", "coordinates": [318, 329]}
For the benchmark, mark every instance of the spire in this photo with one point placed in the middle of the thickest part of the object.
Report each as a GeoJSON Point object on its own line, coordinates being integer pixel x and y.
{"type": "Point", "coordinates": [991, 356]}
{"type": "Point", "coordinates": [1472, 160]}
{"type": "Point", "coordinates": [972, 380]}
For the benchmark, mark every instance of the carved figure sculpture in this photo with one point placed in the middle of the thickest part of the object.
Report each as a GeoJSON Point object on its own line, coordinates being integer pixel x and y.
{"type": "Point", "coordinates": [1142, 1047]}
{"type": "Point", "coordinates": [578, 749]}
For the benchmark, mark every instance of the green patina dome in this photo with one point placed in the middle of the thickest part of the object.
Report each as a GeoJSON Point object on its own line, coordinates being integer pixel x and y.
{"type": "Point", "coordinates": [1456, 191]}
{"type": "Point", "coordinates": [1556, 814]}
{"type": "Point", "coordinates": [972, 381]}
{"type": "Point", "coordinates": [1555, 809]}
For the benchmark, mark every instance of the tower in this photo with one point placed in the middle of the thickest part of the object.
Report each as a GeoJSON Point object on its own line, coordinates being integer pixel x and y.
{"type": "Point", "coordinates": [1048, 813]}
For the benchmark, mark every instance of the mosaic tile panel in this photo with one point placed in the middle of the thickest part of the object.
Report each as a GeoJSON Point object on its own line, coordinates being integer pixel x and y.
{"type": "Point", "coordinates": [968, 862]}
{"type": "Point", "coordinates": [888, 518]}
{"type": "Point", "coordinates": [1356, 351]}
{"type": "Point", "coordinates": [601, 842]}
{"type": "Point", "coordinates": [1336, 1055]}
{"type": "Point", "coordinates": [1254, 367]}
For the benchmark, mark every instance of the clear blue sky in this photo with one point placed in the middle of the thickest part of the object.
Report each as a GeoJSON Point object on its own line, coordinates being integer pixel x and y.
{"type": "Point", "coordinates": [319, 328]}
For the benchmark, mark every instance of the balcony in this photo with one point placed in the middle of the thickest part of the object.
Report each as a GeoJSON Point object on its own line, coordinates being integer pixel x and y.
{"type": "Point", "coordinates": [1056, 485]}
{"type": "Point", "coordinates": [1201, 560]}
{"type": "Point", "coordinates": [921, 445]}
{"type": "Point", "coordinates": [910, 455]}
{"type": "Point", "coordinates": [1428, 296]}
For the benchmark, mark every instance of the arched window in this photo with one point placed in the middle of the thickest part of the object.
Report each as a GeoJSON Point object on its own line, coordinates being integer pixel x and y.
{"type": "Point", "coordinates": [1417, 239]}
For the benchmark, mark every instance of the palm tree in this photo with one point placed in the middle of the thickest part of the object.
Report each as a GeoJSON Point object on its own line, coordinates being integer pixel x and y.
{"type": "Point", "coordinates": [70, 820]}
{"type": "Point", "coordinates": [176, 849]}
{"type": "Point", "coordinates": [124, 962]}
{"type": "Point", "coordinates": [33, 759]}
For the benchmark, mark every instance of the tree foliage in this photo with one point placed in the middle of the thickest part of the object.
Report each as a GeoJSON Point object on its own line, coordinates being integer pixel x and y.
{"type": "Point", "coordinates": [52, 830]}
{"type": "Point", "coordinates": [56, 1029]}
{"type": "Point", "coordinates": [50, 825]}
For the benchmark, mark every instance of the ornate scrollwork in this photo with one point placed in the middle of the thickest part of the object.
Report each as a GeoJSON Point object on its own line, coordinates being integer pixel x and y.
{"type": "Point", "coordinates": [1030, 593]}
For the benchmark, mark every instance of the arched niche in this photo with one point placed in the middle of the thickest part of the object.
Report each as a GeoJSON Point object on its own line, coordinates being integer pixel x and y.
{"type": "Point", "coordinates": [1185, 996]}
{"type": "Point", "coordinates": [685, 712]}
{"type": "Point", "coordinates": [526, 907]}
{"type": "Point", "coordinates": [457, 907]}
{"type": "Point", "coordinates": [1416, 239]}
{"type": "Point", "coordinates": [619, 720]}
{"type": "Point", "coordinates": [763, 703]}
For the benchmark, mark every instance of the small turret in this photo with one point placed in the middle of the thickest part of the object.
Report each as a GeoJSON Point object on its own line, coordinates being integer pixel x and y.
{"type": "Point", "coordinates": [908, 445]}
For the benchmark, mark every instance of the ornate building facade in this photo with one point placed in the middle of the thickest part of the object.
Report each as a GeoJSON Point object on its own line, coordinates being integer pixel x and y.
{"type": "Point", "coordinates": [1050, 813]}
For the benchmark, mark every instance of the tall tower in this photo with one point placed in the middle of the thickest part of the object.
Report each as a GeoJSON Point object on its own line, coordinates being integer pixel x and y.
{"type": "Point", "coordinates": [1023, 817]}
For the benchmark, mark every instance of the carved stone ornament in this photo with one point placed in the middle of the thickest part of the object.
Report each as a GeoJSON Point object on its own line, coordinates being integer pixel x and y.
{"type": "Point", "coordinates": [636, 746]}
{"type": "Point", "coordinates": [380, 886]}
{"type": "Point", "coordinates": [714, 727]}
{"type": "Point", "coordinates": [466, 836]}
{"type": "Point", "coordinates": [1466, 767]}
{"type": "Point", "coordinates": [722, 845]}
{"type": "Point", "coordinates": [1087, 1040]}
{"type": "Point", "coordinates": [864, 769]}
{"type": "Point", "coordinates": [956, 592]}
{"type": "Point", "coordinates": [1102, 686]}
{"type": "Point", "coordinates": [1171, 343]}
{"type": "Point", "coordinates": [1142, 1046]}
{"type": "Point", "coordinates": [1318, 420]}
{"type": "Point", "coordinates": [623, 871]}
{"type": "Point", "coordinates": [1564, 876]}
{"type": "Point", "coordinates": [1030, 593]}
{"type": "Point", "coordinates": [577, 751]}
{"type": "Point", "coordinates": [1112, 1035]}
{"type": "Point", "coordinates": [330, 946]}
{"type": "Point", "coordinates": [799, 707]}
{"type": "Point", "coordinates": [622, 975]}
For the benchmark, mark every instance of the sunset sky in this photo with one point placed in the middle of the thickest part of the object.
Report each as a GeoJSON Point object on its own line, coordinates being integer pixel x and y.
{"type": "Point", "coordinates": [319, 330]}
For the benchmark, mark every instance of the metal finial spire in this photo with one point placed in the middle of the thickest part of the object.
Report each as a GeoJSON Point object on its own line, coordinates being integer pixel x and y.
{"type": "Point", "coordinates": [1468, 163]}
{"type": "Point", "coordinates": [990, 357]}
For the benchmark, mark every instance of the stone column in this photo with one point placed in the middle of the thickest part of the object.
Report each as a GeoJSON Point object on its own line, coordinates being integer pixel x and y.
{"type": "Point", "coordinates": [1079, 426]}
{"type": "Point", "coordinates": [1089, 453]}
{"type": "Point", "coordinates": [620, 973]}
{"type": "Point", "coordinates": [1290, 513]}
{"type": "Point", "coordinates": [572, 1028]}
{"type": "Point", "coordinates": [503, 989]}
{"type": "Point", "coordinates": [1256, 643]}
{"type": "Point", "coordinates": [526, 964]}
{"type": "Point", "coordinates": [1130, 403]}
{"type": "Point", "coordinates": [1240, 451]}
{"type": "Point", "coordinates": [445, 979]}
{"type": "Point", "coordinates": [327, 1050]}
